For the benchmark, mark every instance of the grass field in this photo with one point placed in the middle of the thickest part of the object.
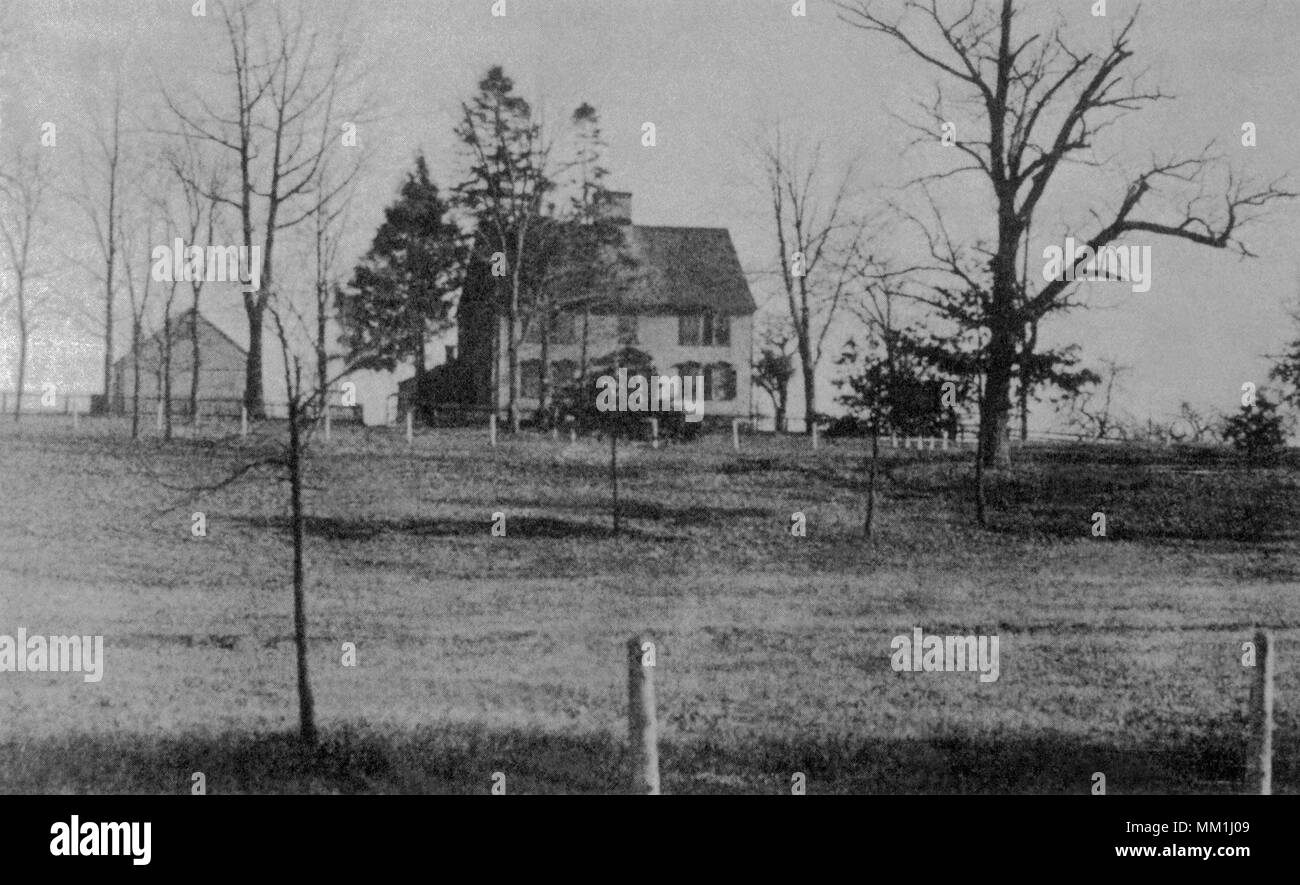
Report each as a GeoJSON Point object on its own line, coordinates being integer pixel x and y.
{"type": "Point", "coordinates": [479, 654]}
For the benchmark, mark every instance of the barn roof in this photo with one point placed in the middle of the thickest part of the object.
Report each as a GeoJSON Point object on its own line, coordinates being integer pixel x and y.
{"type": "Point", "coordinates": [180, 330]}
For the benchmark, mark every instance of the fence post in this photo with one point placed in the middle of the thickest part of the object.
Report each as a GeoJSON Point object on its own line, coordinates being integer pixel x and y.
{"type": "Point", "coordinates": [814, 436]}
{"type": "Point", "coordinates": [654, 433]}
{"type": "Point", "coordinates": [893, 440]}
{"type": "Point", "coordinates": [492, 428]}
{"type": "Point", "coordinates": [243, 422]}
{"type": "Point", "coordinates": [641, 721]}
{"type": "Point", "coordinates": [943, 443]}
{"type": "Point", "coordinates": [735, 434]}
{"type": "Point", "coordinates": [410, 427]}
{"type": "Point", "coordinates": [327, 423]}
{"type": "Point", "coordinates": [1261, 715]}
{"type": "Point", "coordinates": [573, 436]}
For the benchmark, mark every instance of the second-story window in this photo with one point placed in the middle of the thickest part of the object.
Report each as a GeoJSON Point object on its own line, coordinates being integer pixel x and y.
{"type": "Point", "coordinates": [627, 329]}
{"type": "Point", "coordinates": [720, 329]}
{"type": "Point", "coordinates": [564, 329]}
{"type": "Point", "coordinates": [704, 330]}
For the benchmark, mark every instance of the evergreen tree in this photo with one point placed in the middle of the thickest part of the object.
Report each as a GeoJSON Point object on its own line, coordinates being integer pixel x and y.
{"type": "Point", "coordinates": [505, 191]}
{"type": "Point", "coordinates": [401, 292]}
{"type": "Point", "coordinates": [1257, 431]}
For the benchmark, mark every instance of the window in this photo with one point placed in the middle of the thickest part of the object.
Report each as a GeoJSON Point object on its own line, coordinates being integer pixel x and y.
{"type": "Point", "coordinates": [533, 333]}
{"type": "Point", "coordinates": [719, 382]}
{"type": "Point", "coordinates": [563, 372]}
{"type": "Point", "coordinates": [704, 330]}
{"type": "Point", "coordinates": [530, 381]}
{"type": "Point", "coordinates": [627, 329]}
{"type": "Point", "coordinates": [721, 332]}
{"type": "Point", "coordinates": [688, 331]}
{"type": "Point", "coordinates": [564, 329]}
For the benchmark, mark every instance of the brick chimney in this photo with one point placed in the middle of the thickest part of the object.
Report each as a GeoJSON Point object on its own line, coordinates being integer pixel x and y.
{"type": "Point", "coordinates": [615, 206]}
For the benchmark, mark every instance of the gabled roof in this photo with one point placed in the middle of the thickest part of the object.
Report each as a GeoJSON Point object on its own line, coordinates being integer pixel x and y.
{"type": "Point", "coordinates": [684, 270]}
{"type": "Point", "coordinates": [180, 330]}
{"type": "Point", "coordinates": [675, 270]}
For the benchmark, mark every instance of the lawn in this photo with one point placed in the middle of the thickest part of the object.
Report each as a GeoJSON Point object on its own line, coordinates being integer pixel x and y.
{"type": "Point", "coordinates": [479, 654]}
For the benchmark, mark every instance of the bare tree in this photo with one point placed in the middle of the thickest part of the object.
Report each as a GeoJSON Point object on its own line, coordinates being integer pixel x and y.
{"type": "Point", "coordinates": [195, 180]}
{"type": "Point", "coordinates": [22, 224]}
{"type": "Point", "coordinates": [287, 460]}
{"type": "Point", "coordinates": [304, 410]}
{"type": "Point", "coordinates": [1038, 104]}
{"type": "Point", "coordinates": [166, 335]}
{"type": "Point", "coordinates": [100, 199]}
{"type": "Point", "coordinates": [775, 365]}
{"type": "Point", "coordinates": [288, 85]}
{"type": "Point", "coordinates": [328, 224]}
{"type": "Point", "coordinates": [814, 236]}
{"type": "Point", "coordinates": [137, 235]}
{"type": "Point", "coordinates": [1193, 425]}
{"type": "Point", "coordinates": [1092, 410]}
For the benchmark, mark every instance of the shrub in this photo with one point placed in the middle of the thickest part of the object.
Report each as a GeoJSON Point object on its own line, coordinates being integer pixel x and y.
{"type": "Point", "coordinates": [1257, 431]}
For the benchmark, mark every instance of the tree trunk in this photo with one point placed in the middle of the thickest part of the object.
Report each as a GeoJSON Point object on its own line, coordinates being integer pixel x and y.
{"type": "Point", "coordinates": [995, 408]}
{"type": "Point", "coordinates": [108, 339]}
{"type": "Point", "coordinates": [981, 515]}
{"type": "Point", "coordinates": [582, 354]}
{"type": "Point", "coordinates": [544, 394]}
{"type": "Point", "coordinates": [322, 359]}
{"type": "Point", "coordinates": [1024, 412]}
{"type": "Point", "coordinates": [306, 705]}
{"type": "Point", "coordinates": [512, 366]}
{"type": "Point", "coordinates": [22, 353]}
{"type": "Point", "coordinates": [166, 386]}
{"type": "Point", "coordinates": [871, 481]}
{"type": "Point", "coordinates": [1026, 355]}
{"type": "Point", "coordinates": [809, 374]}
{"type": "Point", "coordinates": [417, 356]}
{"type": "Point", "coordinates": [135, 381]}
{"type": "Point", "coordinates": [194, 357]}
{"type": "Point", "coordinates": [254, 307]}
{"type": "Point", "coordinates": [613, 474]}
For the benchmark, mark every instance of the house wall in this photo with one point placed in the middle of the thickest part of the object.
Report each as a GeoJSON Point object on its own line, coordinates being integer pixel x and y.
{"type": "Point", "coordinates": [657, 336]}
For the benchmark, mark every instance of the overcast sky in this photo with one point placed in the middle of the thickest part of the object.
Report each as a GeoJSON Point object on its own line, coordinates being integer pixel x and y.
{"type": "Point", "coordinates": [712, 75]}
